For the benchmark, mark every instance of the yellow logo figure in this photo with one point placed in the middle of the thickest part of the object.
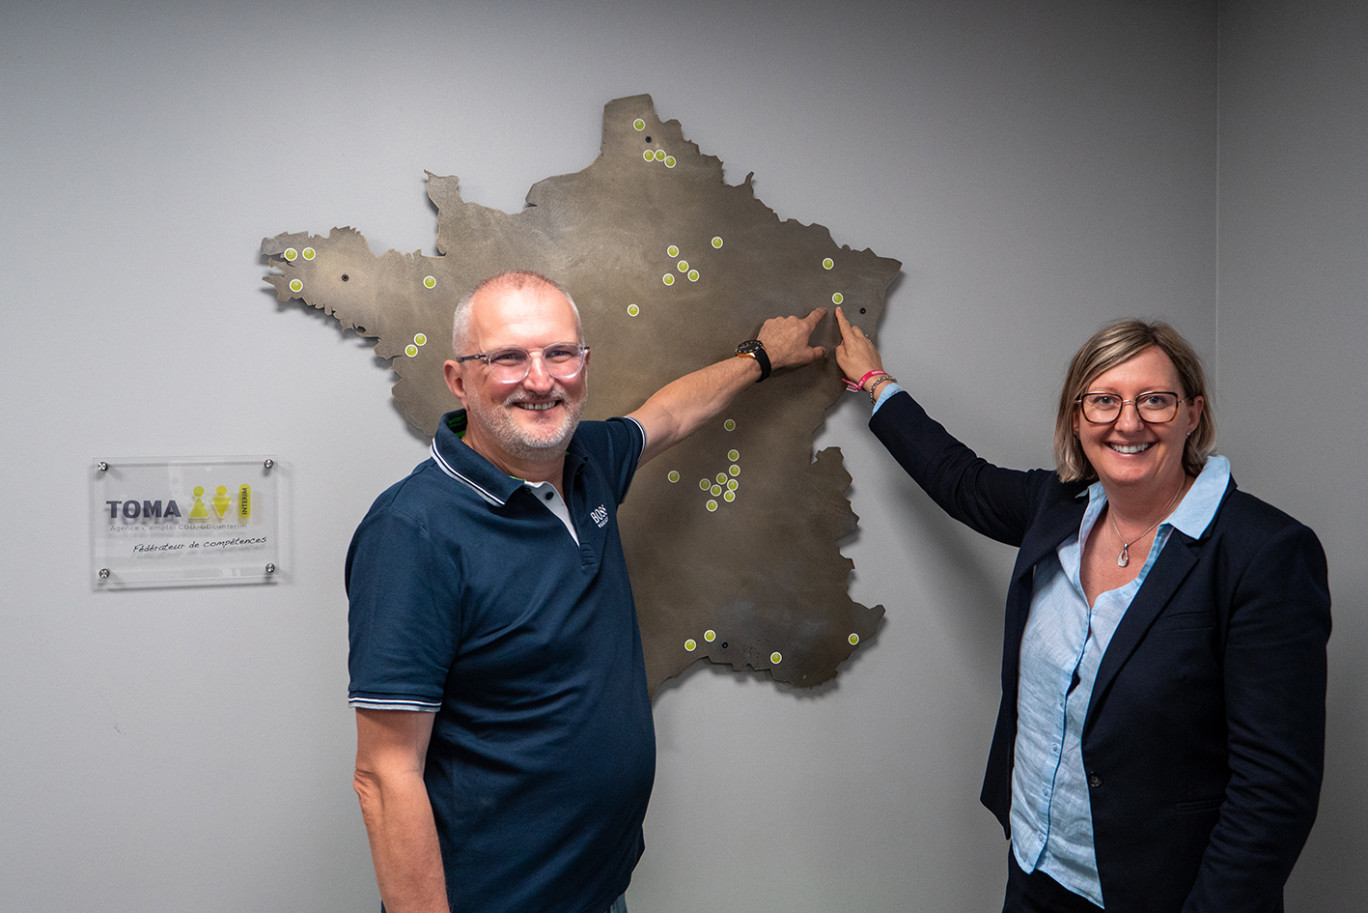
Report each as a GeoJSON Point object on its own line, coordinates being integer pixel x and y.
{"type": "Point", "coordinates": [198, 512]}
{"type": "Point", "coordinates": [221, 500]}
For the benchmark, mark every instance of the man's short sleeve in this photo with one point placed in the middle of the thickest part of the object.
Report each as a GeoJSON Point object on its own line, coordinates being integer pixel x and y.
{"type": "Point", "coordinates": [403, 616]}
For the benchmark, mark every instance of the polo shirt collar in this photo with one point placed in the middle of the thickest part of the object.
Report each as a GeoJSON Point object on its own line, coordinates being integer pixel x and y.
{"type": "Point", "coordinates": [466, 466]}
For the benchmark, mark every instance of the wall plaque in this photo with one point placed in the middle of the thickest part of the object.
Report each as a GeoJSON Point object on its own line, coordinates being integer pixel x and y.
{"type": "Point", "coordinates": [197, 521]}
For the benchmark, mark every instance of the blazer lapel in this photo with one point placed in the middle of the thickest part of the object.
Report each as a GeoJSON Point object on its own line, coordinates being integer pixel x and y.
{"type": "Point", "coordinates": [1170, 570]}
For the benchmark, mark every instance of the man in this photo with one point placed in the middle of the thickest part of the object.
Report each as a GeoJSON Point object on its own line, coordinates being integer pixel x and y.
{"type": "Point", "coordinates": [505, 750]}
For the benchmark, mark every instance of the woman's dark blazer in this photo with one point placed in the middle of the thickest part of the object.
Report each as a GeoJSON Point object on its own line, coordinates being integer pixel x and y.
{"type": "Point", "coordinates": [1204, 739]}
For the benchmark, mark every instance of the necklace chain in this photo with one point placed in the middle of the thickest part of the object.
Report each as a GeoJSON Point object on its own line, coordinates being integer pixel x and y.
{"type": "Point", "coordinates": [1123, 559]}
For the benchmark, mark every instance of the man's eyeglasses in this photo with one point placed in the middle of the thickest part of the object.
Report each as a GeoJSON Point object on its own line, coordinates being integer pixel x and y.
{"type": "Point", "coordinates": [509, 365]}
{"type": "Point", "coordinates": [1154, 408]}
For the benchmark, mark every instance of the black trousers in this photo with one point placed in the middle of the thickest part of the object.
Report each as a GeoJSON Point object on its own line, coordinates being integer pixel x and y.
{"type": "Point", "coordinates": [1039, 893]}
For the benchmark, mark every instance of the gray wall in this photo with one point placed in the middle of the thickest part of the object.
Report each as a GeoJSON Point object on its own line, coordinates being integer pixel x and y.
{"type": "Point", "coordinates": [1039, 167]}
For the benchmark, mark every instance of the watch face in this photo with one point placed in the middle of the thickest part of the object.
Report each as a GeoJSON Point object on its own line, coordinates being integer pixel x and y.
{"type": "Point", "coordinates": [749, 346]}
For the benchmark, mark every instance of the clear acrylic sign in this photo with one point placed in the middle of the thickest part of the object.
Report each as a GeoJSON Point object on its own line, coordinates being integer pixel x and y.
{"type": "Point", "coordinates": [184, 522]}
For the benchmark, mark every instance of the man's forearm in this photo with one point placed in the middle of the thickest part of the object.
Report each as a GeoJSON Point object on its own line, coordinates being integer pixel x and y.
{"type": "Point", "coordinates": [403, 842]}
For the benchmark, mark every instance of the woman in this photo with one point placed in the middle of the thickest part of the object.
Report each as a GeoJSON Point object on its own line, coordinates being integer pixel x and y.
{"type": "Point", "coordinates": [1160, 738]}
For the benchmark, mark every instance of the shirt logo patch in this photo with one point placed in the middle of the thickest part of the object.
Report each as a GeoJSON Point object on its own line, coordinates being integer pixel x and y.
{"type": "Point", "coordinates": [600, 516]}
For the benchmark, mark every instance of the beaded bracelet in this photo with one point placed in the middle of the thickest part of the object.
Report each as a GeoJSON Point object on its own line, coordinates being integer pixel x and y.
{"type": "Point", "coordinates": [873, 395]}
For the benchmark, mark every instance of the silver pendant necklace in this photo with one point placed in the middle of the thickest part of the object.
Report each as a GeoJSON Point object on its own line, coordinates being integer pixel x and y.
{"type": "Point", "coordinates": [1123, 559]}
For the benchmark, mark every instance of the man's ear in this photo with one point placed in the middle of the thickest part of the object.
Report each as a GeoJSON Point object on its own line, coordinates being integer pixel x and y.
{"type": "Point", "coordinates": [455, 379]}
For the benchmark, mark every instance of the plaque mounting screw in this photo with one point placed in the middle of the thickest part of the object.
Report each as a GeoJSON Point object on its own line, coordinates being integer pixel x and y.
{"type": "Point", "coordinates": [103, 466]}
{"type": "Point", "coordinates": [104, 573]}
{"type": "Point", "coordinates": [268, 464]}
{"type": "Point", "coordinates": [270, 568]}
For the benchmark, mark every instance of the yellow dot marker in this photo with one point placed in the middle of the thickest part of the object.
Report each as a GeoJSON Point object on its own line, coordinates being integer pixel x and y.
{"type": "Point", "coordinates": [682, 266]}
{"type": "Point", "coordinates": [712, 507]}
{"type": "Point", "coordinates": [660, 155]}
{"type": "Point", "coordinates": [648, 155]}
{"type": "Point", "coordinates": [410, 350]}
{"type": "Point", "coordinates": [296, 285]}
{"type": "Point", "coordinates": [669, 161]}
{"type": "Point", "coordinates": [420, 339]}
{"type": "Point", "coordinates": [721, 478]}
{"type": "Point", "coordinates": [715, 490]}
{"type": "Point", "coordinates": [828, 263]}
{"type": "Point", "coordinates": [291, 254]}
{"type": "Point", "coordinates": [693, 275]}
{"type": "Point", "coordinates": [717, 243]}
{"type": "Point", "coordinates": [308, 253]}
{"type": "Point", "coordinates": [710, 636]}
{"type": "Point", "coordinates": [734, 469]}
{"type": "Point", "coordinates": [854, 639]}
{"type": "Point", "coordinates": [633, 310]}
{"type": "Point", "coordinates": [673, 476]}
{"type": "Point", "coordinates": [732, 485]}
{"type": "Point", "coordinates": [705, 484]}
{"type": "Point", "coordinates": [729, 424]}
{"type": "Point", "coordinates": [429, 281]}
{"type": "Point", "coordinates": [691, 645]}
{"type": "Point", "coordinates": [837, 298]}
{"type": "Point", "coordinates": [776, 657]}
{"type": "Point", "coordinates": [638, 124]}
{"type": "Point", "coordinates": [733, 455]}
{"type": "Point", "coordinates": [729, 496]}
{"type": "Point", "coordinates": [672, 251]}
{"type": "Point", "coordinates": [668, 279]}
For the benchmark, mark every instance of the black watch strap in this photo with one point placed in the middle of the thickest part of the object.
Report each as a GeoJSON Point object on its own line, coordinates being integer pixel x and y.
{"type": "Point", "coordinates": [754, 348]}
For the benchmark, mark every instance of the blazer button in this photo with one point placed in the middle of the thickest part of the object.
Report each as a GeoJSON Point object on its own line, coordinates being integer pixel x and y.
{"type": "Point", "coordinates": [1094, 780]}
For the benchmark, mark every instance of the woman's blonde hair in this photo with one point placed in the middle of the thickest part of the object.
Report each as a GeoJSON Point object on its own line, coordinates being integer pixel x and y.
{"type": "Point", "coordinates": [1110, 346]}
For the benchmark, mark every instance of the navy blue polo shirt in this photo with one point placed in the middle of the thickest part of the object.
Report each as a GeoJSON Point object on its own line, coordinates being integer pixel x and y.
{"type": "Point", "coordinates": [471, 600]}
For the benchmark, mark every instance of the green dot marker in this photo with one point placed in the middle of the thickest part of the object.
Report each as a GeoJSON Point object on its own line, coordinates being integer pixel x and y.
{"type": "Point", "coordinates": [296, 285]}
{"type": "Point", "coordinates": [705, 484]}
{"type": "Point", "coordinates": [733, 455]}
{"type": "Point", "coordinates": [410, 350]}
{"type": "Point", "coordinates": [717, 243]}
{"type": "Point", "coordinates": [837, 298]}
{"type": "Point", "coordinates": [828, 263]}
{"type": "Point", "coordinates": [638, 124]}
{"type": "Point", "coordinates": [672, 251]}
{"type": "Point", "coordinates": [776, 657]}
{"type": "Point", "coordinates": [660, 155]}
{"type": "Point", "coordinates": [673, 476]}
{"type": "Point", "coordinates": [308, 253]}
{"type": "Point", "coordinates": [729, 424]}
{"type": "Point", "coordinates": [682, 266]}
{"type": "Point", "coordinates": [734, 469]}
{"type": "Point", "coordinates": [668, 279]}
{"type": "Point", "coordinates": [715, 490]}
{"type": "Point", "coordinates": [420, 339]}
{"type": "Point", "coordinates": [721, 477]}
{"type": "Point", "coordinates": [669, 161]}
{"type": "Point", "coordinates": [691, 645]}
{"type": "Point", "coordinates": [729, 496]}
{"type": "Point", "coordinates": [648, 155]}
{"type": "Point", "coordinates": [693, 275]}
{"type": "Point", "coordinates": [854, 639]}
{"type": "Point", "coordinates": [712, 507]}
{"type": "Point", "coordinates": [633, 310]}
{"type": "Point", "coordinates": [429, 281]}
{"type": "Point", "coordinates": [732, 485]}
{"type": "Point", "coordinates": [291, 254]}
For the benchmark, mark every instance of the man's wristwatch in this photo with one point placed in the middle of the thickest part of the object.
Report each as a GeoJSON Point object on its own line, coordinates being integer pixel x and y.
{"type": "Point", "coordinates": [754, 348]}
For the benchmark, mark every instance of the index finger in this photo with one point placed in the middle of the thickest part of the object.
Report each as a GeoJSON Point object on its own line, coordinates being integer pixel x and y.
{"type": "Point", "coordinates": [814, 318]}
{"type": "Point", "coordinates": [842, 323]}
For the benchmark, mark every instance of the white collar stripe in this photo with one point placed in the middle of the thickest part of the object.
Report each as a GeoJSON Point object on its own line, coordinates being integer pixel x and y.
{"type": "Point", "coordinates": [446, 467]}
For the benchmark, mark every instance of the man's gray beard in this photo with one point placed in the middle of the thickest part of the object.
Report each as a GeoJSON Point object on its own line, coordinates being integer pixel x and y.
{"type": "Point", "coordinates": [498, 424]}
